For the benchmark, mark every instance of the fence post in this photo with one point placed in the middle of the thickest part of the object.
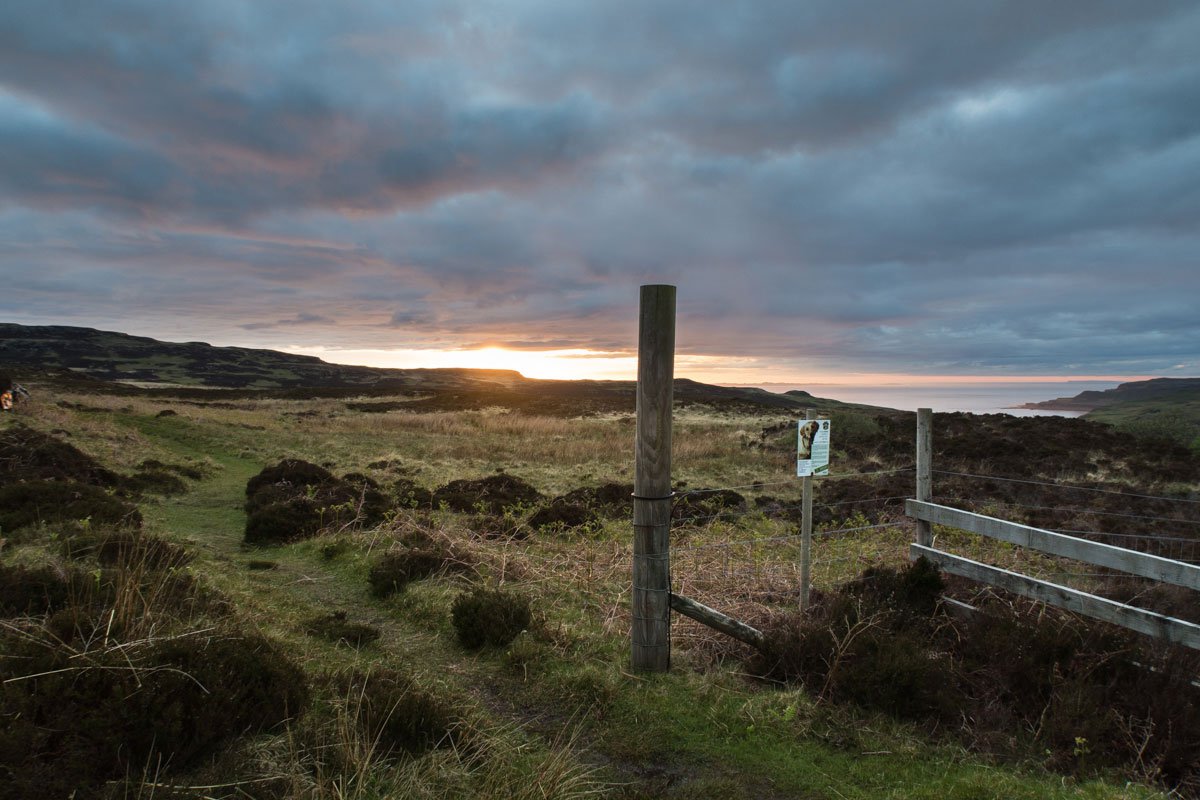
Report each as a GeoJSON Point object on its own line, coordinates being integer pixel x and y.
{"type": "Point", "coordinates": [650, 632]}
{"type": "Point", "coordinates": [806, 527]}
{"type": "Point", "coordinates": [924, 471]}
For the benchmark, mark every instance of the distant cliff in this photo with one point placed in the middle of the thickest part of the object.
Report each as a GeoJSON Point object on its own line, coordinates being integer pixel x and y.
{"type": "Point", "coordinates": [1160, 390]}
{"type": "Point", "coordinates": [1168, 407]}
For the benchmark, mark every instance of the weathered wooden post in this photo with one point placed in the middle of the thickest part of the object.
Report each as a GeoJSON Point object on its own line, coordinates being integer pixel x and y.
{"type": "Point", "coordinates": [806, 500]}
{"type": "Point", "coordinates": [651, 630]}
{"type": "Point", "coordinates": [924, 471]}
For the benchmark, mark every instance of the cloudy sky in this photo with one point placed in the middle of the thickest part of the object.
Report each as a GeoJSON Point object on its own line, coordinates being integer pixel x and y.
{"type": "Point", "coordinates": [837, 188]}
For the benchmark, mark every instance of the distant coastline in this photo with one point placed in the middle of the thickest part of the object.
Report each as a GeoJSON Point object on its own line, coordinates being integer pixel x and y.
{"type": "Point", "coordinates": [1018, 398]}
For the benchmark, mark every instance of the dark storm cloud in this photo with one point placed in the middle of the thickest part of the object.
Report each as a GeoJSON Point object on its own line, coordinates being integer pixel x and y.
{"type": "Point", "coordinates": [974, 187]}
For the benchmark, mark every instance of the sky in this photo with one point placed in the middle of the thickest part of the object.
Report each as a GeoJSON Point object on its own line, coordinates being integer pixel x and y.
{"type": "Point", "coordinates": [840, 190]}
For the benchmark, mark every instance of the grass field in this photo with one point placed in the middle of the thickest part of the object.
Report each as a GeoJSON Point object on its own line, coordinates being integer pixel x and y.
{"type": "Point", "coordinates": [555, 713]}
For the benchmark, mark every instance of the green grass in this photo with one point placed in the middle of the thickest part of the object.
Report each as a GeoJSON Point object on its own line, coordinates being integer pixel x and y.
{"type": "Point", "coordinates": [557, 713]}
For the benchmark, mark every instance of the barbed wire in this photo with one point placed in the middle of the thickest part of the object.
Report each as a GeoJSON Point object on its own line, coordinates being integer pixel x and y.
{"type": "Point", "coordinates": [785, 538]}
{"type": "Point", "coordinates": [793, 481]}
{"type": "Point", "coordinates": [733, 514]}
{"type": "Point", "coordinates": [1068, 486]}
{"type": "Point", "coordinates": [1150, 536]}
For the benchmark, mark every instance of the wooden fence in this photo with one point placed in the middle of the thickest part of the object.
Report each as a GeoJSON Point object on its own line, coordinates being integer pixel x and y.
{"type": "Point", "coordinates": [1163, 570]}
{"type": "Point", "coordinates": [652, 598]}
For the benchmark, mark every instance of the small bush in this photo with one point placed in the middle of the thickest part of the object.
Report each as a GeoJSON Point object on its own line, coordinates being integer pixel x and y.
{"type": "Point", "coordinates": [29, 455]}
{"type": "Point", "coordinates": [397, 568]}
{"type": "Point", "coordinates": [48, 501]}
{"type": "Point", "coordinates": [409, 494]}
{"type": "Point", "coordinates": [489, 617]}
{"type": "Point", "coordinates": [258, 564]}
{"type": "Point", "coordinates": [337, 629]}
{"type": "Point", "coordinates": [496, 526]}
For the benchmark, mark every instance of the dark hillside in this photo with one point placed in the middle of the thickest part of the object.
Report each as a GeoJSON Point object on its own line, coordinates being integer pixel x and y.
{"type": "Point", "coordinates": [86, 360]}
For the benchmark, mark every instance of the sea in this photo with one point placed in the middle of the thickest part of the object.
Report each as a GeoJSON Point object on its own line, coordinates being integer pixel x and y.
{"type": "Point", "coordinates": [975, 398]}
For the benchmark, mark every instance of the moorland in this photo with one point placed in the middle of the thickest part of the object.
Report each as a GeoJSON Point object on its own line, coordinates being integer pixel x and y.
{"type": "Point", "coordinates": [420, 589]}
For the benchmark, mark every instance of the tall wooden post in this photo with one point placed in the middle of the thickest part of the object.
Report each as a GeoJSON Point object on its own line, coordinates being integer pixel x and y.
{"type": "Point", "coordinates": [924, 471]}
{"type": "Point", "coordinates": [651, 630]}
{"type": "Point", "coordinates": [806, 527]}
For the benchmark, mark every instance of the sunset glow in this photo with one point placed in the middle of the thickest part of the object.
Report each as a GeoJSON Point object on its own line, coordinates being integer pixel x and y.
{"type": "Point", "coordinates": [583, 364]}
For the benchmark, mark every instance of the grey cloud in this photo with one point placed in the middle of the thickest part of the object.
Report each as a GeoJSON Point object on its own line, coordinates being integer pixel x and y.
{"type": "Point", "coordinates": [958, 186]}
{"type": "Point", "coordinates": [302, 319]}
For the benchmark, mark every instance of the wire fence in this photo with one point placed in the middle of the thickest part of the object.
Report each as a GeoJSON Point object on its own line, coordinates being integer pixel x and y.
{"type": "Point", "coordinates": [735, 558]}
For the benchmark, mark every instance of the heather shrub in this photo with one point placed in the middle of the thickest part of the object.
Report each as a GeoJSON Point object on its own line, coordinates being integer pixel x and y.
{"type": "Point", "coordinates": [489, 617]}
{"type": "Point", "coordinates": [397, 568]}
{"type": "Point", "coordinates": [50, 501]}
{"type": "Point", "coordinates": [494, 494]}
{"type": "Point", "coordinates": [295, 499]}
{"type": "Point", "coordinates": [73, 722]}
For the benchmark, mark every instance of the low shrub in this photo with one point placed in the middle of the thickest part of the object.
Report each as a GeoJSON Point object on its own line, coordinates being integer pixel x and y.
{"type": "Point", "coordinates": [295, 499]}
{"type": "Point", "coordinates": [561, 516]}
{"type": "Point", "coordinates": [409, 494]}
{"type": "Point", "coordinates": [494, 494]}
{"type": "Point", "coordinates": [489, 617]}
{"type": "Point", "coordinates": [282, 522]}
{"type": "Point", "coordinates": [49, 501]}
{"type": "Point", "coordinates": [292, 472]}
{"type": "Point", "coordinates": [30, 455]}
{"type": "Point", "coordinates": [36, 590]}
{"type": "Point", "coordinates": [703, 505]}
{"type": "Point", "coordinates": [77, 721]}
{"type": "Point", "coordinates": [397, 568]}
{"type": "Point", "coordinates": [496, 526]}
{"type": "Point", "coordinates": [153, 481]}
{"type": "Point", "coordinates": [870, 642]}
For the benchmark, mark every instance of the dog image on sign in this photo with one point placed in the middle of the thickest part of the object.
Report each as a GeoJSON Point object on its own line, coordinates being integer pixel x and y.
{"type": "Point", "coordinates": [812, 448]}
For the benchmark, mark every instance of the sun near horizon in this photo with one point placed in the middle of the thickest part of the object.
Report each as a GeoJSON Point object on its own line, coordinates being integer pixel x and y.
{"type": "Point", "coordinates": [584, 364]}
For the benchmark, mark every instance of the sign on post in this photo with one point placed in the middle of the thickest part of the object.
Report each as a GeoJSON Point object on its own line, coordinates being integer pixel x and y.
{"type": "Point", "coordinates": [812, 448]}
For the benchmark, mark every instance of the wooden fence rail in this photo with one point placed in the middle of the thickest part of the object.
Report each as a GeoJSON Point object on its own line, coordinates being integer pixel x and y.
{"type": "Point", "coordinates": [1164, 570]}
{"type": "Point", "coordinates": [1090, 605]}
{"type": "Point", "coordinates": [1157, 568]}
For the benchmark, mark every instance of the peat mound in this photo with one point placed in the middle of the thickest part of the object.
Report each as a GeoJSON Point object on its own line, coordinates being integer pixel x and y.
{"type": "Point", "coordinates": [27, 455]}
